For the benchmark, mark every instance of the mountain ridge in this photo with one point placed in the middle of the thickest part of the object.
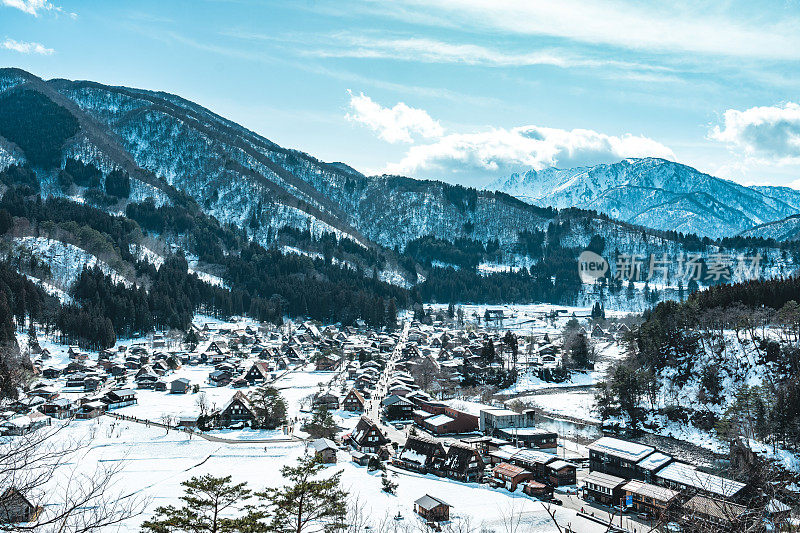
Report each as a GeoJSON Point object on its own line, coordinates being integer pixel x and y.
{"type": "Point", "coordinates": [656, 193]}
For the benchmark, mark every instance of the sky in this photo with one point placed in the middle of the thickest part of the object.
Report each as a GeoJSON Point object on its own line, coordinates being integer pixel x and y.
{"type": "Point", "coordinates": [465, 91]}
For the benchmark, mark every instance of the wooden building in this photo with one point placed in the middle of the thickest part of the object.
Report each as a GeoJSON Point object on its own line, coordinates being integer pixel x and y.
{"type": "Point", "coordinates": [432, 509]}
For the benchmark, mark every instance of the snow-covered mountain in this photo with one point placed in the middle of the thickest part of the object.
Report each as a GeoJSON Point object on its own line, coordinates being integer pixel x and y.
{"type": "Point", "coordinates": [184, 156]}
{"type": "Point", "coordinates": [656, 193]}
{"type": "Point", "coordinates": [787, 229]}
{"type": "Point", "coordinates": [172, 147]}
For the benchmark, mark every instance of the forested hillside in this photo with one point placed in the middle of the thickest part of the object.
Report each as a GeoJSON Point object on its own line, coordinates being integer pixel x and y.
{"type": "Point", "coordinates": [132, 182]}
{"type": "Point", "coordinates": [725, 361]}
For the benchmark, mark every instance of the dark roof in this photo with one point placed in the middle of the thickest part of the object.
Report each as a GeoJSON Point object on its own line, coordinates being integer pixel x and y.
{"type": "Point", "coordinates": [459, 457]}
{"type": "Point", "coordinates": [428, 502]}
{"type": "Point", "coordinates": [362, 428]}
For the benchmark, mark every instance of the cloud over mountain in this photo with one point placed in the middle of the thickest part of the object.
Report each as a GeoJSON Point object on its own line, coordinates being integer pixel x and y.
{"type": "Point", "coordinates": [395, 124]}
{"type": "Point", "coordinates": [768, 132]}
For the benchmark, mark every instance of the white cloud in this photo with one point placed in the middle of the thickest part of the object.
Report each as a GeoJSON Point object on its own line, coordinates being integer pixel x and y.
{"type": "Point", "coordinates": [766, 133]}
{"type": "Point", "coordinates": [688, 27]}
{"type": "Point", "coordinates": [396, 124]}
{"type": "Point", "coordinates": [35, 7]}
{"type": "Point", "coordinates": [26, 48]}
{"type": "Point", "coordinates": [501, 151]}
{"type": "Point", "coordinates": [435, 51]}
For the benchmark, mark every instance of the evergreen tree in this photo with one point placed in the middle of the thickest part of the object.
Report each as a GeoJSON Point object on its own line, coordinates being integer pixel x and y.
{"type": "Point", "coordinates": [387, 485]}
{"type": "Point", "coordinates": [206, 502]}
{"type": "Point", "coordinates": [307, 503]}
{"type": "Point", "coordinates": [322, 424]}
{"type": "Point", "coordinates": [270, 407]}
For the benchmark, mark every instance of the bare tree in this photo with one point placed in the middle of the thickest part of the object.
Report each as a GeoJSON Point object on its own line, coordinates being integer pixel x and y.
{"type": "Point", "coordinates": [168, 420]}
{"type": "Point", "coordinates": [44, 466]}
{"type": "Point", "coordinates": [202, 403]}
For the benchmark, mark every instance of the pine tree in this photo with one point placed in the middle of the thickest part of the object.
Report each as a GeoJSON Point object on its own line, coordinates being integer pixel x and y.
{"type": "Point", "coordinates": [307, 503]}
{"type": "Point", "coordinates": [322, 424]}
{"type": "Point", "coordinates": [270, 407]}
{"type": "Point", "coordinates": [387, 485]}
{"type": "Point", "coordinates": [205, 500]}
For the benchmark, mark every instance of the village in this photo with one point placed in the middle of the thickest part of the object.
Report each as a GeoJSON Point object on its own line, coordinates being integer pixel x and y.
{"type": "Point", "coordinates": [407, 407]}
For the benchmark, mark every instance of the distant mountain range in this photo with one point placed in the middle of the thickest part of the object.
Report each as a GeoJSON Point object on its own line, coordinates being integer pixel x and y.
{"type": "Point", "coordinates": [656, 193]}
{"type": "Point", "coordinates": [197, 182]}
{"type": "Point", "coordinates": [171, 146]}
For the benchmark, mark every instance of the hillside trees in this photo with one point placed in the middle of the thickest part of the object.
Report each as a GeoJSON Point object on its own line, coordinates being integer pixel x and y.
{"type": "Point", "coordinates": [37, 125]}
{"type": "Point", "coordinates": [118, 184]}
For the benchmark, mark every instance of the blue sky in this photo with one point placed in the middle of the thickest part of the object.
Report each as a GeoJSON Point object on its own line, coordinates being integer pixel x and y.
{"type": "Point", "coordinates": [463, 91]}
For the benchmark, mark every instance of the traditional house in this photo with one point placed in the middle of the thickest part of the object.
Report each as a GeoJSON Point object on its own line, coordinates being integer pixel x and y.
{"type": "Point", "coordinates": [359, 458]}
{"type": "Point", "coordinates": [617, 457]}
{"type": "Point", "coordinates": [421, 454]}
{"type": "Point", "coordinates": [324, 449]}
{"type": "Point", "coordinates": [603, 488]}
{"type": "Point", "coordinates": [687, 478]}
{"type": "Point", "coordinates": [462, 463]}
{"type": "Point", "coordinates": [20, 425]}
{"type": "Point", "coordinates": [51, 373]}
{"type": "Point", "coordinates": [367, 437]}
{"type": "Point", "coordinates": [646, 468]}
{"type": "Point", "coordinates": [510, 476]}
{"type": "Point", "coordinates": [59, 408]}
{"type": "Point", "coordinates": [432, 509]}
{"type": "Point", "coordinates": [219, 378]}
{"type": "Point", "coordinates": [120, 398]}
{"type": "Point", "coordinates": [396, 407]}
{"type": "Point", "coordinates": [90, 410]}
{"type": "Point", "coordinates": [717, 515]}
{"type": "Point", "coordinates": [179, 386]}
{"type": "Point", "coordinates": [258, 373]}
{"type": "Point", "coordinates": [354, 401]}
{"type": "Point", "coordinates": [537, 438]}
{"type": "Point", "coordinates": [325, 399]}
{"type": "Point", "coordinates": [561, 473]}
{"type": "Point", "coordinates": [327, 362]}
{"type": "Point", "coordinates": [237, 411]}
{"type": "Point", "coordinates": [15, 508]}
{"type": "Point", "coordinates": [649, 499]}
{"type": "Point", "coordinates": [538, 490]}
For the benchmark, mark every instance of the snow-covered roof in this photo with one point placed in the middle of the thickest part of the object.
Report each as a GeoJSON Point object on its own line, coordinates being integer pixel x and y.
{"type": "Point", "coordinates": [653, 461]}
{"type": "Point", "coordinates": [558, 464]}
{"type": "Point", "coordinates": [323, 444]}
{"type": "Point", "coordinates": [630, 451]}
{"type": "Point", "coordinates": [439, 420]}
{"type": "Point", "coordinates": [428, 502]}
{"type": "Point", "coordinates": [661, 494]}
{"type": "Point", "coordinates": [603, 480]}
{"type": "Point", "coordinates": [688, 475]}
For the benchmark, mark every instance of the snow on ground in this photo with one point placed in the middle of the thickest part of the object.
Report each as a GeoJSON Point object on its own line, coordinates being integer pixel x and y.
{"type": "Point", "coordinates": [52, 290]}
{"type": "Point", "coordinates": [529, 381]}
{"type": "Point", "coordinates": [144, 253]}
{"type": "Point", "coordinates": [393, 277]}
{"type": "Point", "coordinates": [66, 260]}
{"type": "Point", "coordinates": [575, 404]}
{"type": "Point", "coordinates": [154, 463]}
{"type": "Point", "coordinates": [493, 268]}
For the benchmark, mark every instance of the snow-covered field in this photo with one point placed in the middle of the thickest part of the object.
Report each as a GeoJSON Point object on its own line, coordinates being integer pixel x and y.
{"type": "Point", "coordinates": [154, 463]}
{"type": "Point", "coordinates": [575, 404]}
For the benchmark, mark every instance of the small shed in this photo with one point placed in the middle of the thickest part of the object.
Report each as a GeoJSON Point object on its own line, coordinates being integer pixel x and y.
{"type": "Point", "coordinates": [432, 509]}
{"type": "Point", "coordinates": [325, 450]}
{"type": "Point", "coordinates": [16, 508]}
